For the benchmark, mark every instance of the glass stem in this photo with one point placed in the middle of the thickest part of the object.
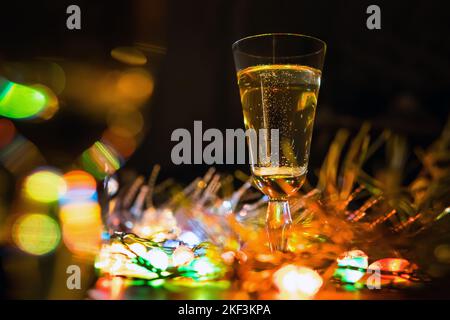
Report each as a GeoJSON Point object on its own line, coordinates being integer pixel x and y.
{"type": "Point", "coordinates": [278, 224]}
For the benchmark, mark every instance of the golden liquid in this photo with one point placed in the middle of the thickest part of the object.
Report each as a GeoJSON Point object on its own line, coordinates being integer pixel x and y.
{"type": "Point", "coordinates": [282, 97]}
{"type": "Point", "coordinates": [279, 182]}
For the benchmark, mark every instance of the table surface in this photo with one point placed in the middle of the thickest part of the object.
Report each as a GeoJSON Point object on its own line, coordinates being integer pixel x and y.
{"type": "Point", "coordinates": [330, 292]}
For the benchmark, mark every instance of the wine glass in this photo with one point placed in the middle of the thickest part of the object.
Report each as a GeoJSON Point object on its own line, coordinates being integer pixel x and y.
{"type": "Point", "coordinates": [279, 78]}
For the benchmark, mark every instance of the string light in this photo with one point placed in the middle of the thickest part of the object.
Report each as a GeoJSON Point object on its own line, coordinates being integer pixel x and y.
{"type": "Point", "coordinates": [203, 266]}
{"type": "Point", "coordinates": [296, 282]}
{"type": "Point", "coordinates": [395, 265]}
{"type": "Point", "coordinates": [182, 255]}
{"type": "Point", "coordinates": [157, 258]}
{"type": "Point", "coordinates": [190, 238]}
{"type": "Point", "coordinates": [352, 266]}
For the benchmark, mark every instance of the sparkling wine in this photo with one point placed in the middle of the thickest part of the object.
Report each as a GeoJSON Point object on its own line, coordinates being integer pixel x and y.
{"type": "Point", "coordinates": [279, 182]}
{"type": "Point", "coordinates": [282, 97]}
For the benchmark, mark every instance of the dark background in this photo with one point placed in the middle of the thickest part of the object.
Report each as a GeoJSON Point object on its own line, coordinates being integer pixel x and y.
{"type": "Point", "coordinates": [397, 77]}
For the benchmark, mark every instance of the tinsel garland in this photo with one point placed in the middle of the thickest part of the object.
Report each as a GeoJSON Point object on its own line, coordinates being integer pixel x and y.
{"type": "Point", "coordinates": [207, 233]}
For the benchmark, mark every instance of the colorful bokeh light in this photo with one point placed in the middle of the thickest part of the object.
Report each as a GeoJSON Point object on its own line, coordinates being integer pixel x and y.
{"type": "Point", "coordinates": [391, 265]}
{"type": "Point", "coordinates": [442, 253]}
{"type": "Point", "coordinates": [36, 234]}
{"type": "Point", "coordinates": [129, 55]}
{"type": "Point", "coordinates": [100, 160]}
{"type": "Point", "coordinates": [135, 85]}
{"type": "Point", "coordinates": [125, 146]}
{"type": "Point", "coordinates": [52, 103]}
{"type": "Point", "coordinates": [45, 185]}
{"type": "Point", "coordinates": [125, 124]}
{"type": "Point", "coordinates": [81, 214]}
{"type": "Point", "coordinates": [7, 132]}
{"type": "Point", "coordinates": [81, 186]}
{"type": "Point", "coordinates": [82, 227]}
{"type": "Point", "coordinates": [19, 101]}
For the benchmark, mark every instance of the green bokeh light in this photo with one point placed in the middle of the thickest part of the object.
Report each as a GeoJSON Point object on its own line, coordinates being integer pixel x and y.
{"type": "Point", "coordinates": [19, 101]}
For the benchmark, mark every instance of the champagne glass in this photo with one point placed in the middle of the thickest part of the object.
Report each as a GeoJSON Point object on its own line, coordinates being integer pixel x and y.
{"type": "Point", "coordinates": [279, 78]}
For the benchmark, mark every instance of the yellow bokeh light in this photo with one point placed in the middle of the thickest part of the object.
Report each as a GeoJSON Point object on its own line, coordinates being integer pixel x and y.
{"type": "Point", "coordinates": [82, 227]}
{"type": "Point", "coordinates": [52, 103]}
{"type": "Point", "coordinates": [135, 84]}
{"type": "Point", "coordinates": [44, 186]}
{"type": "Point", "coordinates": [36, 234]}
{"type": "Point", "coordinates": [129, 55]}
{"type": "Point", "coordinates": [442, 253]}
